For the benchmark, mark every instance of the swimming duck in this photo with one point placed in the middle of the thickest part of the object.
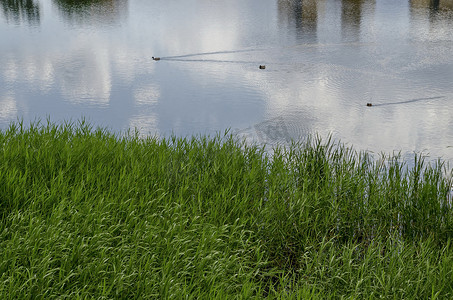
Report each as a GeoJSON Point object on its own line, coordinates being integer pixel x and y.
{"type": "Point", "coordinates": [262, 67]}
{"type": "Point", "coordinates": [156, 58]}
{"type": "Point", "coordinates": [369, 104]}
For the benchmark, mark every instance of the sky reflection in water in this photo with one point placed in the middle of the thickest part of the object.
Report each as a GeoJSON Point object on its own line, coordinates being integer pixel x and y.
{"type": "Point", "coordinates": [324, 61]}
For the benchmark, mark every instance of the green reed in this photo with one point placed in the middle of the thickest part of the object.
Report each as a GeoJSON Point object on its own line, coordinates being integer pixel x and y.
{"type": "Point", "coordinates": [86, 213]}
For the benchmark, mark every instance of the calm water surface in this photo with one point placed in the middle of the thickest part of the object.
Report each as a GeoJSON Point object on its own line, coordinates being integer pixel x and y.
{"type": "Point", "coordinates": [325, 60]}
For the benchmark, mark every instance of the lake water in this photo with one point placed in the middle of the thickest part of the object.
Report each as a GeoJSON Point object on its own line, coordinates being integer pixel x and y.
{"type": "Point", "coordinates": [324, 61]}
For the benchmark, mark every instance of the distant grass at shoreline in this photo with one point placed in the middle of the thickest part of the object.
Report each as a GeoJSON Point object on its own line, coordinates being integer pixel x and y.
{"type": "Point", "coordinates": [88, 214]}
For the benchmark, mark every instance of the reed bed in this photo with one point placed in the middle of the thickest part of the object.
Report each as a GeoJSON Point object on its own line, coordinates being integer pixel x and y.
{"type": "Point", "coordinates": [87, 214]}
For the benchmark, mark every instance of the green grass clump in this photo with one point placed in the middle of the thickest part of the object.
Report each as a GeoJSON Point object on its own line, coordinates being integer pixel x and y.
{"type": "Point", "coordinates": [89, 214]}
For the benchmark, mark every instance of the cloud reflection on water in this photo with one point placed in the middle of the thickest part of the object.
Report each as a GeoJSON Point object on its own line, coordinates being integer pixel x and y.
{"type": "Point", "coordinates": [8, 109]}
{"type": "Point", "coordinates": [324, 61]}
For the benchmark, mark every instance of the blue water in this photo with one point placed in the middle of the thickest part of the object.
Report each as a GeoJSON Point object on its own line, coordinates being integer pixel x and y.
{"type": "Point", "coordinates": [325, 60]}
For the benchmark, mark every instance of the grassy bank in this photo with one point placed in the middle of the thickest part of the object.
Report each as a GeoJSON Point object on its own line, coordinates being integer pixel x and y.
{"type": "Point", "coordinates": [87, 214]}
